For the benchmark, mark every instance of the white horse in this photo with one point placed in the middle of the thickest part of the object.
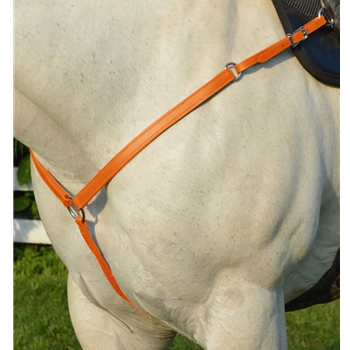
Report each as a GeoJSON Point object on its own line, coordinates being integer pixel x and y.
{"type": "Point", "coordinates": [224, 218]}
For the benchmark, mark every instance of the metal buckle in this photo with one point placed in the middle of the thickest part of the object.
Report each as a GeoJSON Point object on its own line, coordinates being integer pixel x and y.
{"type": "Point", "coordinates": [290, 36]}
{"type": "Point", "coordinates": [73, 214]}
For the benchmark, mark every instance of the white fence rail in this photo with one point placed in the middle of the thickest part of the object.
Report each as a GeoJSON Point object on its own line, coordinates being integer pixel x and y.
{"type": "Point", "coordinates": [24, 230]}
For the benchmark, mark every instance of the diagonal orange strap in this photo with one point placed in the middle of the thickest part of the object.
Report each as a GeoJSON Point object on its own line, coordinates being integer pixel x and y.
{"type": "Point", "coordinates": [181, 110]}
{"type": "Point", "coordinates": [152, 132]}
{"type": "Point", "coordinates": [149, 134]}
{"type": "Point", "coordinates": [168, 119]}
{"type": "Point", "coordinates": [51, 182]}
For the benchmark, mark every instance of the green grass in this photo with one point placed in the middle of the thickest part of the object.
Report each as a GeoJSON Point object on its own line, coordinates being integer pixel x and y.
{"type": "Point", "coordinates": [41, 318]}
{"type": "Point", "coordinates": [317, 327]}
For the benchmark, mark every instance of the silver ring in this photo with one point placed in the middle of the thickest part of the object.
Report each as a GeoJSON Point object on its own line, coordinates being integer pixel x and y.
{"type": "Point", "coordinates": [231, 65]}
{"type": "Point", "coordinates": [330, 22]}
{"type": "Point", "coordinates": [73, 214]}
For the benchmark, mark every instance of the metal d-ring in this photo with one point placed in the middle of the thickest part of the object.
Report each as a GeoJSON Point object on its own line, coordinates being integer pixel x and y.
{"type": "Point", "coordinates": [330, 22]}
{"type": "Point", "coordinates": [72, 213]}
{"type": "Point", "coordinates": [231, 65]}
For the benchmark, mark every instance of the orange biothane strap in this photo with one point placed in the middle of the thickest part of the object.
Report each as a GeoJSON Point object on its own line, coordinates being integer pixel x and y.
{"type": "Point", "coordinates": [62, 195]}
{"type": "Point", "coordinates": [170, 118]}
{"type": "Point", "coordinates": [281, 45]}
{"type": "Point", "coordinates": [149, 134]}
{"type": "Point", "coordinates": [51, 182]}
{"type": "Point", "coordinates": [136, 145]}
{"type": "Point", "coordinates": [121, 159]}
{"type": "Point", "coordinates": [102, 262]}
{"type": "Point", "coordinates": [181, 110]}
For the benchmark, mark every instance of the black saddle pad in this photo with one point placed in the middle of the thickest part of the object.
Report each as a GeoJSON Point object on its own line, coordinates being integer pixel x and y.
{"type": "Point", "coordinates": [320, 53]}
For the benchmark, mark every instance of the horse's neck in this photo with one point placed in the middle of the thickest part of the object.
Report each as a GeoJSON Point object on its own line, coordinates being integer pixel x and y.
{"type": "Point", "coordinates": [103, 81]}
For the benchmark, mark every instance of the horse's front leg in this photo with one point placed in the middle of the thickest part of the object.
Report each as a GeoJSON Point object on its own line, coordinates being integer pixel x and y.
{"type": "Point", "coordinates": [244, 316]}
{"type": "Point", "coordinates": [97, 328]}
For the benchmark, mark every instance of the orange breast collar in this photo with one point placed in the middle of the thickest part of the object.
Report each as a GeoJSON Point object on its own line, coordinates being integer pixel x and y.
{"type": "Point", "coordinates": [231, 72]}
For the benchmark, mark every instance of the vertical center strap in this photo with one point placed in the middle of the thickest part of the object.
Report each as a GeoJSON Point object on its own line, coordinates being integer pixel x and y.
{"type": "Point", "coordinates": [102, 262]}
